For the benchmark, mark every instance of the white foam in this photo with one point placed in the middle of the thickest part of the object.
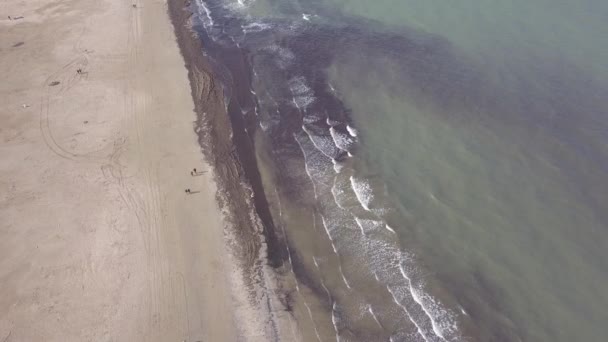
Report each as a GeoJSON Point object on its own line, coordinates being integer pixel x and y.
{"type": "Point", "coordinates": [363, 191]}
{"type": "Point", "coordinates": [371, 312]}
{"type": "Point", "coordinates": [367, 226]}
{"type": "Point", "coordinates": [379, 257]}
{"type": "Point", "coordinates": [344, 277]}
{"type": "Point", "coordinates": [314, 188]}
{"type": "Point", "coordinates": [335, 320]}
{"type": "Point", "coordinates": [311, 319]}
{"type": "Point", "coordinates": [241, 4]}
{"type": "Point", "coordinates": [333, 246]}
{"type": "Point", "coordinates": [303, 95]}
{"type": "Point", "coordinates": [342, 141]}
{"type": "Point", "coordinates": [363, 232]}
{"type": "Point", "coordinates": [311, 117]}
{"type": "Point", "coordinates": [314, 261]}
{"type": "Point", "coordinates": [337, 192]}
{"type": "Point", "coordinates": [267, 124]}
{"type": "Point", "coordinates": [284, 56]}
{"type": "Point", "coordinates": [204, 10]}
{"type": "Point", "coordinates": [256, 27]}
{"type": "Point", "coordinates": [440, 318]}
{"type": "Point", "coordinates": [418, 328]}
{"type": "Point", "coordinates": [384, 261]}
{"type": "Point", "coordinates": [306, 16]}
{"type": "Point", "coordinates": [331, 122]}
{"type": "Point", "coordinates": [276, 192]}
{"type": "Point", "coordinates": [337, 165]}
{"type": "Point", "coordinates": [289, 254]}
{"type": "Point", "coordinates": [352, 131]}
{"type": "Point", "coordinates": [323, 144]}
{"type": "Point", "coordinates": [326, 289]}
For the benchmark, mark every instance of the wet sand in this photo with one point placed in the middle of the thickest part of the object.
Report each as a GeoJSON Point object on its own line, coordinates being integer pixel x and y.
{"type": "Point", "coordinates": [100, 241]}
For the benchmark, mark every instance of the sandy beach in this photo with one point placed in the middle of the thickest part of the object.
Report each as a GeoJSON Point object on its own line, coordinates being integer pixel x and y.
{"type": "Point", "coordinates": [99, 240]}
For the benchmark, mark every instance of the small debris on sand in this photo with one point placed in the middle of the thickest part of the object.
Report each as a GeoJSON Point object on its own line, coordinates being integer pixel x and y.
{"type": "Point", "coordinates": [54, 83]}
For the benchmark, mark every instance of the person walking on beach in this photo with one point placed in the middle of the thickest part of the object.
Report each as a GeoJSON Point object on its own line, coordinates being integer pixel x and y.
{"type": "Point", "coordinates": [188, 191]}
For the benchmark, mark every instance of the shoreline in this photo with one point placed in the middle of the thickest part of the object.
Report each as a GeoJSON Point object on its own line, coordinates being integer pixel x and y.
{"type": "Point", "coordinates": [226, 145]}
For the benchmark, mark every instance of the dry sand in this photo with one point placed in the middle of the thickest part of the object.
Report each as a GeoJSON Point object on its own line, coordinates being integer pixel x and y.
{"type": "Point", "coordinates": [98, 240]}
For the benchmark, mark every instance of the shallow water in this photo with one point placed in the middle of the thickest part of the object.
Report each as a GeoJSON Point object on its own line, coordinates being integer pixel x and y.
{"type": "Point", "coordinates": [438, 172]}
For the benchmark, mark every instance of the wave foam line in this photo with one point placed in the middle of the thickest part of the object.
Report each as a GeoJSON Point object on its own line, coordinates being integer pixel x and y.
{"type": "Point", "coordinates": [338, 167]}
{"type": "Point", "coordinates": [352, 131]}
{"type": "Point", "coordinates": [333, 246]}
{"type": "Point", "coordinates": [284, 57]}
{"type": "Point", "coordinates": [341, 140]}
{"type": "Point", "coordinates": [420, 331]}
{"type": "Point", "coordinates": [344, 277]}
{"type": "Point", "coordinates": [311, 118]}
{"type": "Point", "coordinates": [371, 312]}
{"type": "Point", "coordinates": [314, 188]}
{"type": "Point", "coordinates": [367, 226]}
{"type": "Point", "coordinates": [255, 27]}
{"type": "Point", "coordinates": [331, 122]}
{"type": "Point", "coordinates": [314, 325]}
{"type": "Point", "coordinates": [335, 320]}
{"type": "Point", "coordinates": [360, 224]}
{"type": "Point", "coordinates": [206, 10]}
{"type": "Point", "coordinates": [335, 191]}
{"type": "Point", "coordinates": [363, 192]}
{"type": "Point", "coordinates": [317, 141]}
{"type": "Point", "coordinates": [314, 260]}
{"type": "Point", "coordinates": [314, 224]}
{"type": "Point", "coordinates": [418, 298]}
{"type": "Point", "coordinates": [303, 95]}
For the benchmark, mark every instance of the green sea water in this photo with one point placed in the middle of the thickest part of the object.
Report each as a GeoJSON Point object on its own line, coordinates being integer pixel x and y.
{"type": "Point", "coordinates": [505, 187]}
{"type": "Point", "coordinates": [485, 123]}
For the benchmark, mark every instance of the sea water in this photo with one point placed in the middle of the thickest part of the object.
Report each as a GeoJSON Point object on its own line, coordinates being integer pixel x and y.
{"type": "Point", "coordinates": [438, 171]}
